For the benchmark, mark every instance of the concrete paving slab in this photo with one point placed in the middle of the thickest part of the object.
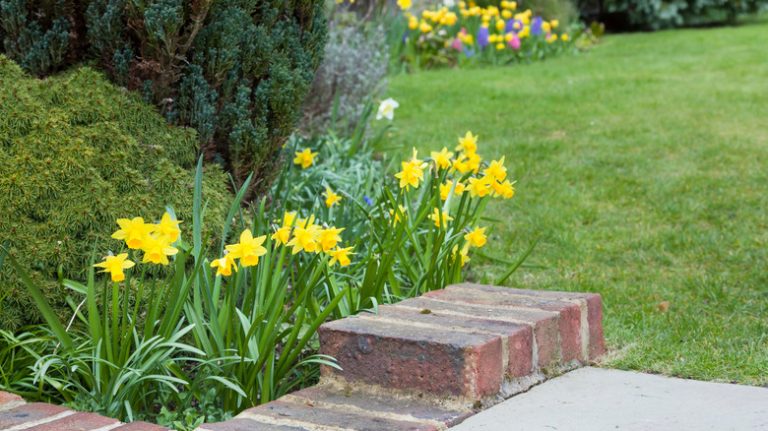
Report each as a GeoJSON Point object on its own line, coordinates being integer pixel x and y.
{"type": "Point", "coordinates": [601, 399]}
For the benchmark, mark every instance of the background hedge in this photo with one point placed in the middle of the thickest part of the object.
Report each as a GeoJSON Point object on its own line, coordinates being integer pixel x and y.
{"type": "Point", "coordinates": [236, 70]}
{"type": "Point", "coordinates": [75, 154]}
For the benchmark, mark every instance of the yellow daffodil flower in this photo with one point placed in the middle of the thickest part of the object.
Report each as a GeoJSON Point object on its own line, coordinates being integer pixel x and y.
{"type": "Point", "coordinates": [305, 236]}
{"type": "Point", "coordinates": [476, 237]}
{"type": "Point", "coordinates": [441, 218]}
{"type": "Point", "coordinates": [462, 254]}
{"type": "Point", "coordinates": [496, 170]}
{"type": "Point", "coordinates": [329, 238]}
{"type": "Point", "coordinates": [331, 198]}
{"type": "Point", "coordinates": [156, 250]}
{"type": "Point", "coordinates": [249, 249]}
{"type": "Point", "coordinates": [554, 23]}
{"type": "Point", "coordinates": [168, 228]}
{"type": "Point", "coordinates": [504, 189]}
{"type": "Point", "coordinates": [283, 233]}
{"type": "Point", "coordinates": [468, 143]}
{"type": "Point", "coordinates": [442, 158]}
{"type": "Point", "coordinates": [340, 255]}
{"type": "Point", "coordinates": [404, 4]}
{"type": "Point", "coordinates": [412, 172]}
{"type": "Point", "coordinates": [565, 37]}
{"type": "Point", "coordinates": [445, 189]}
{"type": "Point", "coordinates": [396, 216]}
{"type": "Point", "coordinates": [305, 158]}
{"type": "Point", "coordinates": [473, 162]}
{"type": "Point", "coordinates": [479, 187]}
{"type": "Point", "coordinates": [224, 265]}
{"type": "Point", "coordinates": [133, 231]}
{"type": "Point", "coordinates": [115, 265]}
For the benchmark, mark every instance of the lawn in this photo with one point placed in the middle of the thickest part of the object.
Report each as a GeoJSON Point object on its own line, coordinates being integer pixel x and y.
{"type": "Point", "coordinates": [642, 167]}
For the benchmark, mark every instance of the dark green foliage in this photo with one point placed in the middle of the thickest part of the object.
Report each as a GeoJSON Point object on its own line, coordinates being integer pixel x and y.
{"type": "Point", "coordinates": [235, 70]}
{"type": "Point", "coordinates": [75, 154]}
{"type": "Point", "coordinates": [658, 14]}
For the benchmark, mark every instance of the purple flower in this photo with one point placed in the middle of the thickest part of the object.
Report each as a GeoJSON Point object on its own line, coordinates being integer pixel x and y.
{"type": "Point", "coordinates": [513, 26]}
{"type": "Point", "coordinates": [368, 200]}
{"type": "Point", "coordinates": [536, 26]}
{"type": "Point", "coordinates": [482, 37]}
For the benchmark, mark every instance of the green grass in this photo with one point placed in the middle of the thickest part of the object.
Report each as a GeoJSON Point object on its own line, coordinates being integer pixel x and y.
{"type": "Point", "coordinates": [643, 167]}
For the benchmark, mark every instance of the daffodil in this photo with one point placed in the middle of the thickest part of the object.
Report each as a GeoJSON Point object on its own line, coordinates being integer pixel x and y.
{"type": "Point", "coordinates": [504, 189]}
{"type": "Point", "coordinates": [473, 162]}
{"type": "Point", "coordinates": [441, 218]}
{"type": "Point", "coordinates": [442, 158]}
{"type": "Point", "coordinates": [387, 109]}
{"type": "Point", "coordinates": [461, 164]}
{"type": "Point", "coordinates": [467, 143]}
{"type": "Point", "coordinates": [496, 170]}
{"type": "Point", "coordinates": [168, 228]}
{"type": "Point", "coordinates": [249, 249]}
{"type": "Point", "coordinates": [445, 189]}
{"type": "Point", "coordinates": [115, 265]}
{"type": "Point", "coordinates": [340, 255]}
{"type": "Point", "coordinates": [462, 254]}
{"type": "Point", "coordinates": [396, 215]}
{"type": "Point", "coordinates": [329, 238]}
{"type": "Point", "coordinates": [157, 249]}
{"type": "Point", "coordinates": [283, 233]}
{"type": "Point", "coordinates": [305, 158]}
{"type": "Point", "coordinates": [331, 198]}
{"type": "Point", "coordinates": [133, 231]}
{"type": "Point", "coordinates": [412, 172]}
{"type": "Point", "coordinates": [479, 187]}
{"type": "Point", "coordinates": [404, 4]}
{"type": "Point", "coordinates": [476, 237]}
{"type": "Point", "coordinates": [565, 37]}
{"type": "Point", "coordinates": [224, 265]}
{"type": "Point", "coordinates": [305, 236]}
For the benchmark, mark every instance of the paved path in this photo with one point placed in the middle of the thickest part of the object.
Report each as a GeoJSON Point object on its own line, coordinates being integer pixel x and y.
{"type": "Point", "coordinates": [601, 399]}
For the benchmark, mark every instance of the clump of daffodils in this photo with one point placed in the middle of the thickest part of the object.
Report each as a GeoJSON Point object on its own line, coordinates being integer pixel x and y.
{"type": "Point", "coordinates": [154, 240]}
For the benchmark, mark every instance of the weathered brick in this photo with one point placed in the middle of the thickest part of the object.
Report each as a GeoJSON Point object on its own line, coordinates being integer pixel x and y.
{"type": "Point", "coordinates": [28, 413]}
{"type": "Point", "coordinates": [392, 355]}
{"type": "Point", "coordinates": [76, 422]}
{"type": "Point", "coordinates": [140, 426]}
{"type": "Point", "coordinates": [545, 323]}
{"type": "Point", "coordinates": [9, 400]}
{"type": "Point", "coordinates": [241, 424]}
{"type": "Point", "coordinates": [289, 413]}
{"type": "Point", "coordinates": [518, 336]}
{"type": "Point", "coordinates": [354, 400]}
{"type": "Point", "coordinates": [594, 310]}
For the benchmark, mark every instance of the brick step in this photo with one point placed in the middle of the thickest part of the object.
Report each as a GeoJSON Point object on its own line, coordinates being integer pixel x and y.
{"type": "Point", "coordinates": [16, 415]}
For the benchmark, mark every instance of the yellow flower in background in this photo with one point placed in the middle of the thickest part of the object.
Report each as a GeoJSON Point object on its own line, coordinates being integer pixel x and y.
{"type": "Point", "coordinates": [115, 265]}
{"type": "Point", "coordinates": [413, 22]}
{"type": "Point", "coordinates": [249, 249]}
{"type": "Point", "coordinates": [525, 32]}
{"type": "Point", "coordinates": [473, 162]}
{"type": "Point", "coordinates": [412, 172]}
{"type": "Point", "coordinates": [546, 27]}
{"type": "Point", "coordinates": [283, 233]}
{"type": "Point", "coordinates": [552, 38]}
{"type": "Point", "coordinates": [554, 23]}
{"type": "Point", "coordinates": [329, 238]}
{"type": "Point", "coordinates": [505, 190]}
{"type": "Point", "coordinates": [396, 216]}
{"type": "Point", "coordinates": [424, 27]}
{"type": "Point", "coordinates": [445, 189]}
{"type": "Point", "coordinates": [496, 170]}
{"type": "Point", "coordinates": [500, 24]}
{"type": "Point", "coordinates": [441, 218]}
{"type": "Point", "coordinates": [476, 237]}
{"type": "Point", "coordinates": [168, 228]}
{"type": "Point", "coordinates": [467, 143]}
{"type": "Point", "coordinates": [461, 164]}
{"type": "Point", "coordinates": [133, 231]}
{"type": "Point", "coordinates": [305, 158]}
{"type": "Point", "coordinates": [305, 236]}
{"type": "Point", "coordinates": [224, 265]}
{"type": "Point", "coordinates": [404, 4]}
{"type": "Point", "coordinates": [506, 14]}
{"type": "Point", "coordinates": [462, 254]}
{"type": "Point", "coordinates": [340, 255]}
{"type": "Point", "coordinates": [499, 46]}
{"type": "Point", "coordinates": [331, 198]}
{"type": "Point", "coordinates": [442, 158]}
{"type": "Point", "coordinates": [565, 37]}
{"type": "Point", "coordinates": [156, 250]}
{"type": "Point", "coordinates": [479, 187]}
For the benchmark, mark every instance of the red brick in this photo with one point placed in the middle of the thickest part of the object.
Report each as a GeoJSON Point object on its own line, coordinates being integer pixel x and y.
{"type": "Point", "coordinates": [28, 413]}
{"type": "Point", "coordinates": [353, 399]}
{"type": "Point", "coordinates": [140, 426]}
{"type": "Point", "coordinates": [518, 336]}
{"type": "Point", "coordinates": [545, 323]}
{"type": "Point", "coordinates": [436, 361]}
{"type": "Point", "coordinates": [76, 422]}
{"type": "Point", "coordinates": [240, 424]}
{"type": "Point", "coordinates": [7, 398]}
{"type": "Point", "coordinates": [287, 411]}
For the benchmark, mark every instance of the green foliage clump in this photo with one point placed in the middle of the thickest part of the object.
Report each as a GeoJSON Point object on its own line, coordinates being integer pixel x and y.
{"type": "Point", "coordinates": [657, 14]}
{"type": "Point", "coordinates": [236, 71]}
{"type": "Point", "coordinates": [76, 153]}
